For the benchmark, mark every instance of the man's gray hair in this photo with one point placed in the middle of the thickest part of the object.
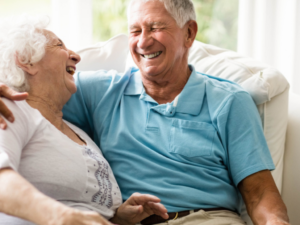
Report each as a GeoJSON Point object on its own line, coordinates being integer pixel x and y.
{"type": "Point", "coordinates": [181, 10]}
{"type": "Point", "coordinates": [20, 38]}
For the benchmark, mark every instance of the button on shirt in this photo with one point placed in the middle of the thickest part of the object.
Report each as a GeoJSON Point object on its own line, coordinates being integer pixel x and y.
{"type": "Point", "coordinates": [191, 153]}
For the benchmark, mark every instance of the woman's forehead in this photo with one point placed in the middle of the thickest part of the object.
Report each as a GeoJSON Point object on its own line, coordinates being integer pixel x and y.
{"type": "Point", "coordinates": [50, 36]}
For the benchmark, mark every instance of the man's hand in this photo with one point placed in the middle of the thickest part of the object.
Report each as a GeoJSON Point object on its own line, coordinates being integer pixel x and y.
{"type": "Point", "coordinates": [139, 207]}
{"type": "Point", "coordinates": [263, 200]}
{"type": "Point", "coordinates": [4, 111]}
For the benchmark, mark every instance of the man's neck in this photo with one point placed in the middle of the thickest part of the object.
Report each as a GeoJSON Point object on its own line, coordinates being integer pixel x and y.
{"type": "Point", "coordinates": [166, 89]}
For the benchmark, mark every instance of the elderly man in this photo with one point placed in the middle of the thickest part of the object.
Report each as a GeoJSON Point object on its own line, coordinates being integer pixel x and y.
{"type": "Point", "coordinates": [193, 140]}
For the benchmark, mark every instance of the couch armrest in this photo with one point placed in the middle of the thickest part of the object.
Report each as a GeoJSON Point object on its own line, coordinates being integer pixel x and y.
{"type": "Point", "coordinates": [291, 181]}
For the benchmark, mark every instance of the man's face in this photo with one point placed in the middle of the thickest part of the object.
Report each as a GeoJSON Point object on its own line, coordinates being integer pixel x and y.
{"type": "Point", "coordinates": [156, 42]}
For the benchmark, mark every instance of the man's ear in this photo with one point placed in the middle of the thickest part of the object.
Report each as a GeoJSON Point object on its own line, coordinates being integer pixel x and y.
{"type": "Point", "coordinates": [191, 32]}
{"type": "Point", "coordinates": [29, 68]}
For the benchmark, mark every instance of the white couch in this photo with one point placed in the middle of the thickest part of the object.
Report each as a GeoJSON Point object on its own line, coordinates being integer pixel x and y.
{"type": "Point", "coordinates": [267, 86]}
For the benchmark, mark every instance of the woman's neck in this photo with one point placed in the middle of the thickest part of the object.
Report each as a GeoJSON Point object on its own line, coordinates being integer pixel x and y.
{"type": "Point", "coordinates": [48, 108]}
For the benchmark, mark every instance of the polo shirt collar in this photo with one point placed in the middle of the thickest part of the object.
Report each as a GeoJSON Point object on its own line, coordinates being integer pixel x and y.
{"type": "Point", "coordinates": [190, 100]}
{"type": "Point", "coordinates": [191, 97]}
{"type": "Point", "coordinates": [135, 85]}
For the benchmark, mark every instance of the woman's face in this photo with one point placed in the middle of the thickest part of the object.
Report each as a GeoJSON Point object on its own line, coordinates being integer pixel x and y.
{"type": "Point", "coordinates": [58, 65]}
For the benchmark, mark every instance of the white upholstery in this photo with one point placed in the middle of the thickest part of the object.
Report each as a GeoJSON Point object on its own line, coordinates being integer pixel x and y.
{"type": "Point", "coordinates": [105, 55]}
{"type": "Point", "coordinates": [267, 86]}
{"type": "Point", "coordinates": [291, 181]}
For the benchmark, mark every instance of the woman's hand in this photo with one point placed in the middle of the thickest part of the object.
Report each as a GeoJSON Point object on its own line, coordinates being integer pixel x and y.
{"type": "Point", "coordinates": [76, 217]}
{"type": "Point", "coordinates": [139, 207]}
{"type": "Point", "coordinates": [4, 111]}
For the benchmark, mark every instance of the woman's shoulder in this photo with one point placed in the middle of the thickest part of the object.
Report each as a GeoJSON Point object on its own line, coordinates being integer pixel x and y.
{"type": "Point", "coordinates": [23, 113]}
{"type": "Point", "coordinates": [16, 107]}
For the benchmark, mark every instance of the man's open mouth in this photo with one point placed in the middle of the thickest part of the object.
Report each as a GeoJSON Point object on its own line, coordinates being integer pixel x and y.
{"type": "Point", "coordinates": [70, 70]}
{"type": "Point", "coordinates": [151, 56]}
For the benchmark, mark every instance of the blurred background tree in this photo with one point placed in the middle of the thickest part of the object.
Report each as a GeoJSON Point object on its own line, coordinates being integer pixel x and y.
{"type": "Point", "coordinates": [217, 21]}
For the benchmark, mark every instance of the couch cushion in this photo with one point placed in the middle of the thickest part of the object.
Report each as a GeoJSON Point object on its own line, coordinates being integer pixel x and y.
{"type": "Point", "coordinates": [105, 55]}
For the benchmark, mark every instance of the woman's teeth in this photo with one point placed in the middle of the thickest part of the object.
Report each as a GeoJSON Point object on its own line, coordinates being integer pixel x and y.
{"type": "Point", "coordinates": [152, 55]}
{"type": "Point", "coordinates": [70, 70]}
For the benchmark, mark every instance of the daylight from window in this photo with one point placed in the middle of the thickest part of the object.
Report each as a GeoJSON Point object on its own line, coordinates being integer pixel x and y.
{"type": "Point", "coordinates": [217, 19]}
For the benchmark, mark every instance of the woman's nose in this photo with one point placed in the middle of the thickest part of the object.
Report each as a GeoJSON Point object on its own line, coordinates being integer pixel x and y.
{"type": "Point", "coordinates": [75, 57]}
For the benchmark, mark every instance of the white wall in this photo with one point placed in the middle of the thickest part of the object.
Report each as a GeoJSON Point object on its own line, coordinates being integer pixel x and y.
{"type": "Point", "coordinates": [269, 30]}
{"type": "Point", "coordinates": [72, 22]}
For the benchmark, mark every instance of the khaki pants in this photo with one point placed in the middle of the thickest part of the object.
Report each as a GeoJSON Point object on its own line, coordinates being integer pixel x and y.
{"type": "Point", "coordinates": [220, 217]}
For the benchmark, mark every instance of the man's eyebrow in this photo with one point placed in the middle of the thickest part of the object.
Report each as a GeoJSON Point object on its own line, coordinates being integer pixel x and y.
{"type": "Point", "coordinates": [157, 23]}
{"type": "Point", "coordinates": [152, 23]}
{"type": "Point", "coordinates": [133, 27]}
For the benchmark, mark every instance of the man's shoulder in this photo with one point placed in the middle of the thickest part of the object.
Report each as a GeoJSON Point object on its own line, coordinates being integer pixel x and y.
{"type": "Point", "coordinates": [222, 85]}
{"type": "Point", "coordinates": [222, 93]}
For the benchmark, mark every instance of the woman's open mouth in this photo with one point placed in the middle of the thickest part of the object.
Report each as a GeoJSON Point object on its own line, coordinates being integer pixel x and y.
{"type": "Point", "coordinates": [70, 70]}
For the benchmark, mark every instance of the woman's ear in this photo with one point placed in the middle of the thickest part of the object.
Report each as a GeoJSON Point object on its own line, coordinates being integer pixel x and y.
{"type": "Point", "coordinates": [29, 68]}
{"type": "Point", "coordinates": [191, 32]}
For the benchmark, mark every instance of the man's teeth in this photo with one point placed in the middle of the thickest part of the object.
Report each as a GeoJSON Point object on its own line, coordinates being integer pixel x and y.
{"type": "Point", "coordinates": [152, 55]}
{"type": "Point", "coordinates": [70, 70]}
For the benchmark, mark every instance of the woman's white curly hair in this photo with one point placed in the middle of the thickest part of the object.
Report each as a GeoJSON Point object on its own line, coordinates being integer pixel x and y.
{"type": "Point", "coordinates": [181, 10]}
{"type": "Point", "coordinates": [20, 38]}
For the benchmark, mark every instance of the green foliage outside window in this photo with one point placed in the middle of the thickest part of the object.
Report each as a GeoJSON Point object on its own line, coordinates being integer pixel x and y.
{"type": "Point", "coordinates": [217, 20]}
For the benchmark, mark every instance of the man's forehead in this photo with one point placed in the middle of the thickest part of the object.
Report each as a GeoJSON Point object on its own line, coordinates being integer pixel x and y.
{"type": "Point", "coordinates": [148, 23]}
{"type": "Point", "coordinates": [140, 8]}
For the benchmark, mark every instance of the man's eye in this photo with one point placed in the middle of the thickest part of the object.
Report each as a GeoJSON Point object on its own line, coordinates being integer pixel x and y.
{"type": "Point", "coordinates": [135, 31]}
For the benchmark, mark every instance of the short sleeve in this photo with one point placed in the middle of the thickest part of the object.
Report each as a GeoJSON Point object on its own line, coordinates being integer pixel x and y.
{"type": "Point", "coordinates": [244, 141]}
{"type": "Point", "coordinates": [14, 138]}
{"type": "Point", "coordinates": [92, 87]}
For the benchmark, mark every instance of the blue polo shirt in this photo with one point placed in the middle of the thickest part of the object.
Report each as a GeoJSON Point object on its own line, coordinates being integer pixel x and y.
{"type": "Point", "coordinates": [191, 154]}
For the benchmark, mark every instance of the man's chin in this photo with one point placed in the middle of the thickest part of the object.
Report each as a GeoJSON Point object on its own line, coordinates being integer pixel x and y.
{"type": "Point", "coordinates": [150, 71]}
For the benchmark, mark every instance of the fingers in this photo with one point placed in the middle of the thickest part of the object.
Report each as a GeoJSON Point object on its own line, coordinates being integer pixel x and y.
{"type": "Point", "coordinates": [141, 199]}
{"type": "Point", "coordinates": [6, 113]}
{"type": "Point", "coordinates": [3, 124]}
{"type": "Point", "coordinates": [19, 96]}
{"type": "Point", "coordinates": [9, 93]}
{"type": "Point", "coordinates": [157, 208]}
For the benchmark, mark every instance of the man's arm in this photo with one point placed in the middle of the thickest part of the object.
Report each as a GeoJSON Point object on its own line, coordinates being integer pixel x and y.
{"type": "Point", "coordinates": [4, 111]}
{"type": "Point", "coordinates": [262, 199]}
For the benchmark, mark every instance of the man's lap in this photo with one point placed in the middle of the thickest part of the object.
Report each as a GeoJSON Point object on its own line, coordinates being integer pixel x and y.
{"type": "Point", "coordinates": [220, 217]}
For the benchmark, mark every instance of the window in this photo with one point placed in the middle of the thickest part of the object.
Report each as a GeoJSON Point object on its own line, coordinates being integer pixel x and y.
{"type": "Point", "coordinates": [18, 7]}
{"type": "Point", "coordinates": [217, 21]}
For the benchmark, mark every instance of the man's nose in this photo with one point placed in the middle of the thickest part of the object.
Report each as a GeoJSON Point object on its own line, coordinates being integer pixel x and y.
{"type": "Point", "coordinates": [145, 40]}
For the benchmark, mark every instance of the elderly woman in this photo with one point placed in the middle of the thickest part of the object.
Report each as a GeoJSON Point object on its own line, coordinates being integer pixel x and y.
{"type": "Point", "coordinates": [51, 172]}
